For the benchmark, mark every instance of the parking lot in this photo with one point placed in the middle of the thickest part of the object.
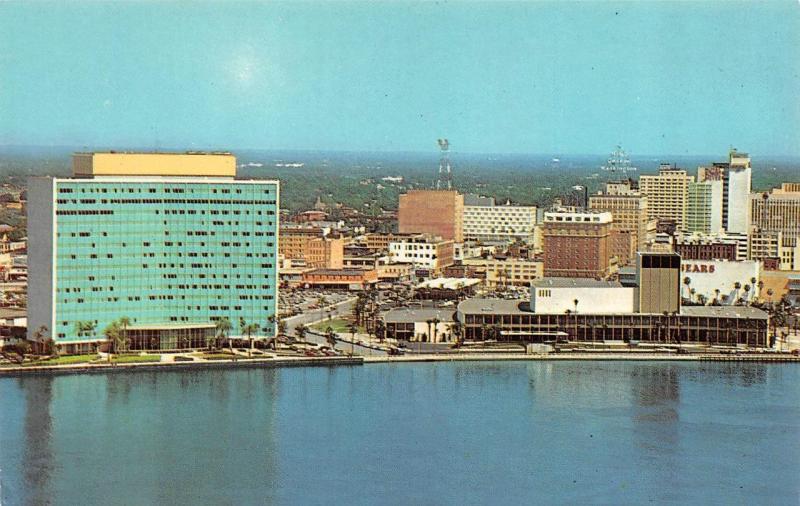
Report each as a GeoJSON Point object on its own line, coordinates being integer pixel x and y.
{"type": "Point", "coordinates": [298, 300]}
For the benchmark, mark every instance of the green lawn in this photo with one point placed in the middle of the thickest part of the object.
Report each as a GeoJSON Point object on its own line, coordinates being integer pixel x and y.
{"type": "Point", "coordinates": [338, 325]}
{"type": "Point", "coordinates": [129, 359]}
{"type": "Point", "coordinates": [66, 359]}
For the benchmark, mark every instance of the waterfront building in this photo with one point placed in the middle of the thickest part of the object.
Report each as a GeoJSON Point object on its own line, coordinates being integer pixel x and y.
{"type": "Point", "coordinates": [420, 324]}
{"type": "Point", "coordinates": [435, 212]}
{"type": "Point", "coordinates": [658, 282]}
{"type": "Point", "coordinates": [311, 245]}
{"type": "Point", "coordinates": [576, 295]}
{"type": "Point", "coordinates": [424, 251]}
{"type": "Point", "coordinates": [775, 229]}
{"type": "Point", "coordinates": [704, 207]}
{"type": "Point", "coordinates": [667, 194]}
{"type": "Point", "coordinates": [722, 281]}
{"type": "Point", "coordinates": [499, 223]}
{"type": "Point", "coordinates": [577, 244]}
{"type": "Point", "coordinates": [173, 242]}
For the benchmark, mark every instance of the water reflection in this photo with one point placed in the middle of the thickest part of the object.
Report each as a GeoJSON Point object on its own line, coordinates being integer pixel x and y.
{"type": "Point", "coordinates": [38, 463]}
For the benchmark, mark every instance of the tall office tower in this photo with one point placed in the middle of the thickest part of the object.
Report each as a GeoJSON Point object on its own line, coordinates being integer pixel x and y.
{"type": "Point", "coordinates": [704, 207]}
{"type": "Point", "coordinates": [658, 278]}
{"type": "Point", "coordinates": [735, 175]}
{"type": "Point", "coordinates": [577, 244]}
{"type": "Point", "coordinates": [629, 212]}
{"type": "Point", "coordinates": [775, 228]}
{"type": "Point", "coordinates": [435, 212]}
{"type": "Point", "coordinates": [667, 195]}
{"type": "Point", "coordinates": [172, 242]}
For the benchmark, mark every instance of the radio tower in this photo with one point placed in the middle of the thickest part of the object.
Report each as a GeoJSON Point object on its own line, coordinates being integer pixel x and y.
{"type": "Point", "coordinates": [445, 179]}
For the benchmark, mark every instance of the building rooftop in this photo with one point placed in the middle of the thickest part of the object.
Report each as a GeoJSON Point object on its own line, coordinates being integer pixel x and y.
{"type": "Point", "coordinates": [12, 312]}
{"type": "Point", "coordinates": [448, 283]}
{"type": "Point", "coordinates": [494, 306]}
{"type": "Point", "coordinates": [190, 163]}
{"type": "Point", "coordinates": [574, 283]}
{"type": "Point", "coordinates": [411, 315]}
{"type": "Point", "coordinates": [725, 311]}
{"type": "Point", "coordinates": [340, 272]}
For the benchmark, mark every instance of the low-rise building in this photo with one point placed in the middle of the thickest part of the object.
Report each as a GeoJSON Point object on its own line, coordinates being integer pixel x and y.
{"type": "Point", "coordinates": [501, 271]}
{"type": "Point", "coordinates": [311, 245]}
{"type": "Point", "coordinates": [342, 279]}
{"type": "Point", "coordinates": [420, 324]}
{"type": "Point", "coordinates": [423, 251]}
{"type": "Point", "coordinates": [574, 295]}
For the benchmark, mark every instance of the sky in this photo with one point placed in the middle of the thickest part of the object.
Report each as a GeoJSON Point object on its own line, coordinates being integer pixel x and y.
{"type": "Point", "coordinates": [526, 77]}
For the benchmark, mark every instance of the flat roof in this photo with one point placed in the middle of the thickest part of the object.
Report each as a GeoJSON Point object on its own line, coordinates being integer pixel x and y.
{"type": "Point", "coordinates": [574, 283]}
{"type": "Point", "coordinates": [411, 315]}
{"type": "Point", "coordinates": [13, 312]}
{"type": "Point", "coordinates": [725, 311]}
{"type": "Point", "coordinates": [449, 283]}
{"type": "Point", "coordinates": [494, 306]}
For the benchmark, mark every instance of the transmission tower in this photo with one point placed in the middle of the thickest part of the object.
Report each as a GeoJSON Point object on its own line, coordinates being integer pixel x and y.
{"type": "Point", "coordinates": [445, 179]}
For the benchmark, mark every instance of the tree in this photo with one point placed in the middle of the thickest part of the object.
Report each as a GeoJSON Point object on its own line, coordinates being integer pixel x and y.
{"type": "Point", "coordinates": [124, 323]}
{"type": "Point", "coordinates": [687, 281]}
{"type": "Point", "coordinates": [281, 327]}
{"type": "Point", "coordinates": [575, 302]}
{"type": "Point", "coordinates": [435, 322]}
{"type": "Point", "coordinates": [458, 330]}
{"type": "Point", "coordinates": [330, 337]}
{"type": "Point", "coordinates": [248, 329]}
{"type": "Point", "coordinates": [112, 334]}
{"type": "Point", "coordinates": [223, 328]}
{"type": "Point", "coordinates": [48, 345]}
{"type": "Point", "coordinates": [380, 330]}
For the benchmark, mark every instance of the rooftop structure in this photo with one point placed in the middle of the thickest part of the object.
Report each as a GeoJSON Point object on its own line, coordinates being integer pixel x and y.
{"type": "Point", "coordinates": [193, 163]}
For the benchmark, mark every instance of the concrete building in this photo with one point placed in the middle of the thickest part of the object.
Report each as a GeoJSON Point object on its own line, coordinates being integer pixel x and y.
{"type": "Point", "coordinates": [310, 244]}
{"type": "Point", "coordinates": [577, 244]}
{"type": "Point", "coordinates": [420, 324]}
{"type": "Point", "coordinates": [704, 207]}
{"type": "Point", "coordinates": [499, 223]}
{"type": "Point", "coordinates": [706, 247]}
{"type": "Point", "coordinates": [717, 280]}
{"type": "Point", "coordinates": [500, 271]}
{"type": "Point", "coordinates": [341, 279]}
{"type": "Point", "coordinates": [435, 212]}
{"type": "Point", "coordinates": [735, 176]}
{"type": "Point", "coordinates": [630, 219]}
{"type": "Point", "coordinates": [423, 251]}
{"type": "Point", "coordinates": [171, 241]}
{"type": "Point", "coordinates": [775, 228]}
{"type": "Point", "coordinates": [657, 281]}
{"type": "Point", "coordinates": [667, 194]}
{"type": "Point", "coordinates": [575, 295]}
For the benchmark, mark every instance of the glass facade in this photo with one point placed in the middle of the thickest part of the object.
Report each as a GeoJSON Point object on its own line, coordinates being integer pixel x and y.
{"type": "Point", "coordinates": [170, 251]}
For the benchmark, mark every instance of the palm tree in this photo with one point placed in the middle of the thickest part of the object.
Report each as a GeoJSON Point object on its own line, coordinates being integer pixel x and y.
{"type": "Point", "coordinates": [223, 328]}
{"type": "Point", "coordinates": [716, 296]}
{"type": "Point", "coordinates": [458, 330]}
{"type": "Point", "coordinates": [112, 334]}
{"type": "Point", "coordinates": [353, 330]}
{"type": "Point", "coordinates": [435, 322]}
{"type": "Point", "coordinates": [380, 330]}
{"type": "Point", "coordinates": [281, 327]}
{"type": "Point", "coordinates": [124, 322]}
{"type": "Point", "coordinates": [687, 281]}
{"type": "Point", "coordinates": [248, 329]}
{"type": "Point", "coordinates": [428, 322]}
{"type": "Point", "coordinates": [575, 302]}
{"type": "Point", "coordinates": [48, 345]}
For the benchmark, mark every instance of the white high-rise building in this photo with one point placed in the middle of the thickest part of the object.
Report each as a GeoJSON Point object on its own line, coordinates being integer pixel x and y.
{"type": "Point", "coordinates": [499, 223]}
{"type": "Point", "coordinates": [667, 194]}
{"type": "Point", "coordinates": [735, 175]}
{"type": "Point", "coordinates": [704, 207]}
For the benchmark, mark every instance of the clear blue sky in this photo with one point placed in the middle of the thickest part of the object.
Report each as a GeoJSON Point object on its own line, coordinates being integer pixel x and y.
{"type": "Point", "coordinates": [561, 78]}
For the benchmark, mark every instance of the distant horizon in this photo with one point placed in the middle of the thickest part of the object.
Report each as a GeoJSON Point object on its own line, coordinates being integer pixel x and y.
{"type": "Point", "coordinates": [430, 153]}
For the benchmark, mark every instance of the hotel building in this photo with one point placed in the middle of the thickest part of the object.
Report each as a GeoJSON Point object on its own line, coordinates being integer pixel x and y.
{"type": "Point", "coordinates": [630, 220]}
{"type": "Point", "coordinates": [577, 244]}
{"type": "Point", "coordinates": [426, 252]}
{"type": "Point", "coordinates": [173, 242]}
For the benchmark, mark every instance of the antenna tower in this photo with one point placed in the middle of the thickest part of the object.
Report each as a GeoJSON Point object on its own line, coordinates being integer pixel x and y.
{"type": "Point", "coordinates": [445, 179]}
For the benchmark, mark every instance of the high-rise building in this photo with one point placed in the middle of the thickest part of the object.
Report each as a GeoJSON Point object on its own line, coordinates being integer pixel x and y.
{"type": "Point", "coordinates": [667, 195]}
{"type": "Point", "coordinates": [172, 242]}
{"type": "Point", "coordinates": [577, 244]}
{"type": "Point", "coordinates": [629, 212]}
{"type": "Point", "coordinates": [735, 175]}
{"type": "Point", "coordinates": [499, 223]}
{"type": "Point", "coordinates": [436, 212]}
{"type": "Point", "coordinates": [775, 226]}
{"type": "Point", "coordinates": [704, 207]}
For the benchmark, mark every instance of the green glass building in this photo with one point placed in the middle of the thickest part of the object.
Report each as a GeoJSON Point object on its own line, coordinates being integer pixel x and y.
{"type": "Point", "coordinates": [173, 254]}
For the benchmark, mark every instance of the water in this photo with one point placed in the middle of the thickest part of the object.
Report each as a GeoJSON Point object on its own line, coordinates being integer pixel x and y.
{"type": "Point", "coordinates": [449, 433]}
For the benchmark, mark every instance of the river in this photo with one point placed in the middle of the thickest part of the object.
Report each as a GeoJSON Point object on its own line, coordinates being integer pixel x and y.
{"type": "Point", "coordinates": [433, 433]}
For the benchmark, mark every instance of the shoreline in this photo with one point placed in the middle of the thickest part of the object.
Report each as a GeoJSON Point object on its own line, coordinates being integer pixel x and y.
{"type": "Point", "coordinates": [89, 368]}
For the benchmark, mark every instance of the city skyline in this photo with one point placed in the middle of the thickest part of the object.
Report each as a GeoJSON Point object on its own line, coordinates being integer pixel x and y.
{"type": "Point", "coordinates": [661, 78]}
